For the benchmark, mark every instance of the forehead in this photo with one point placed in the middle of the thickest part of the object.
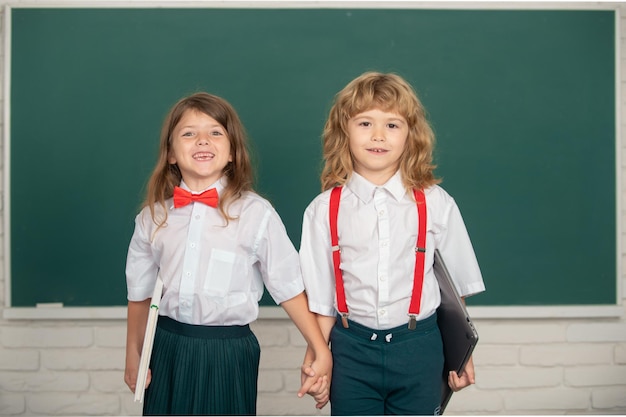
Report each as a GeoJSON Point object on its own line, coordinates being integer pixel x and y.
{"type": "Point", "coordinates": [195, 117]}
{"type": "Point", "coordinates": [377, 112]}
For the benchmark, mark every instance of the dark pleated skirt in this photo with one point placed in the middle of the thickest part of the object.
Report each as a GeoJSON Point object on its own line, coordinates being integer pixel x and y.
{"type": "Point", "coordinates": [202, 370]}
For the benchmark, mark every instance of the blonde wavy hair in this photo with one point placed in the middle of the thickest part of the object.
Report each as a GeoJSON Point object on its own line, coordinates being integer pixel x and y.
{"type": "Point", "coordinates": [166, 176]}
{"type": "Point", "coordinates": [386, 92]}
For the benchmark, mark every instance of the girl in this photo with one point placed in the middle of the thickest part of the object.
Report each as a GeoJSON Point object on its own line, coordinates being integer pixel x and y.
{"type": "Point", "coordinates": [214, 243]}
{"type": "Point", "coordinates": [375, 302]}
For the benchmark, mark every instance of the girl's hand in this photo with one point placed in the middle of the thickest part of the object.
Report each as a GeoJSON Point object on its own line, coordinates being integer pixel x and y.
{"type": "Point", "coordinates": [467, 377]}
{"type": "Point", "coordinates": [130, 377]}
{"type": "Point", "coordinates": [320, 387]}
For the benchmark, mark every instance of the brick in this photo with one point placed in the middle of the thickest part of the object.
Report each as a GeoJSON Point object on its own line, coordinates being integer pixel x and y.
{"type": "Point", "coordinates": [84, 359]}
{"type": "Point", "coordinates": [507, 333]}
{"type": "Point", "coordinates": [613, 398]}
{"type": "Point", "coordinates": [472, 400]}
{"type": "Point", "coordinates": [73, 404]}
{"type": "Point", "coordinates": [589, 376]}
{"type": "Point", "coordinates": [620, 354]}
{"type": "Point", "coordinates": [114, 336]}
{"type": "Point", "coordinates": [289, 405]}
{"type": "Point", "coordinates": [559, 399]}
{"type": "Point", "coordinates": [108, 382]}
{"type": "Point", "coordinates": [271, 335]}
{"type": "Point", "coordinates": [292, 381]}
{"type": "Point", "coordinates": [281, 358]}
{"type": "Point", "coordinates": [566, 354]}
{"type": "Point", "coordinates": [44, 381]}
{"type": "Point", "coordinates": [597, 332]}
{"type": "Point", "coordinates": [12, 404]}
{"type": "Point", "coordinates": [270, 381]}
{"type": "Point", "coordinates": [128, 405]}
{"type": "Point", "coordinates": [491, 355]}
{"type": "Point", "coordinates": [19, 359]}
{"type": "Point", "coordinates": [513, 377]}
{"type": "Point", "coordinates": [47, 337]}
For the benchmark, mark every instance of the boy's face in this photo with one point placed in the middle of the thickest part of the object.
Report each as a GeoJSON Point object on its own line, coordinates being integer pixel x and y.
{"type": "Point", "coordinates": [201, 148]}
{"type": "Point", "coordinates": [377, 140]}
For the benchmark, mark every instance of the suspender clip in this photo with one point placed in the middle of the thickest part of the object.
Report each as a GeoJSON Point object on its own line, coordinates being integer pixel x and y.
{"type": "Point", "coordinates": [344, 320]}
{"type": "Point", "coordinates": [336, 248]}
{"type": "Point", "coordinates": [418, 249]}
{"type": "Point", "coordinates": [412, 322]}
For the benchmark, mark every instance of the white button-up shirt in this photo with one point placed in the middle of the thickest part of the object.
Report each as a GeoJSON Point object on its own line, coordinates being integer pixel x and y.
{"type": "Point", "coordinates": [377, 229]}
{"type": "Point", "coordinates": [213, 274]}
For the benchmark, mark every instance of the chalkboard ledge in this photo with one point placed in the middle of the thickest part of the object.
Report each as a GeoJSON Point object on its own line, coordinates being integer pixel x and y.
{"type": "Point", "coordinates": [477, 312]}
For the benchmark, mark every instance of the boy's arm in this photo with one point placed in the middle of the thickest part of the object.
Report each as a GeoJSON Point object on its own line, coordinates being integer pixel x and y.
{"type": "Point", "coordinates": [135, 330]}
{"type": "Point", "coordinates": [467, 377]}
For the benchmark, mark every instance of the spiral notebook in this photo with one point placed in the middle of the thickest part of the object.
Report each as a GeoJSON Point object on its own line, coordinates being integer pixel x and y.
{"type": "Point", "coordinates": [148, 341]}
{"type": "Point", "coordinates": [457, 330]}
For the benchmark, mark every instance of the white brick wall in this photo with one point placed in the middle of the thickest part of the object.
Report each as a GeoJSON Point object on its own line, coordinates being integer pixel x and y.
{"type": "Point", "coordinates": [524, 366]}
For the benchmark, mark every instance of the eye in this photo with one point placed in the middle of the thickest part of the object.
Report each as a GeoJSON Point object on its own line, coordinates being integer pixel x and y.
{"type": "Point", "coordinates": [187, 134]}
{"type": "Point", "coordinates": [365, 124]}
{"type": "Point", "coordinates": [216, 133]}
{"type": "Point", "coordinates": [393, 125]}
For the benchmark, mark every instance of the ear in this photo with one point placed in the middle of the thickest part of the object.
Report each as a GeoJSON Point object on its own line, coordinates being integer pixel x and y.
{"type": "Point", "coordinates": [171, 158]}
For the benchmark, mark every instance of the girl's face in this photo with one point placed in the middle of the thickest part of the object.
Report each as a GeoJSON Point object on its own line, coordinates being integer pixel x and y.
{"type": "Point", "coordinates": [377, 140]}
{"type": "Point", "coordinates": [201, 148]}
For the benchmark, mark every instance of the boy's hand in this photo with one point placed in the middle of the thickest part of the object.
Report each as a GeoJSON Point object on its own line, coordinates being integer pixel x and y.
{"type": "Point", "coordinates": [467, 377]}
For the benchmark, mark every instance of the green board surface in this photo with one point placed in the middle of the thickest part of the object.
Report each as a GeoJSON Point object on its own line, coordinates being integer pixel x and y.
{"type": "Point", "coordinates": [522, 103]}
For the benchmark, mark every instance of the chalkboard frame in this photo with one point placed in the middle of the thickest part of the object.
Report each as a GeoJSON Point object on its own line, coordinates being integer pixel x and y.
{"type": "Point", "coordinates": [7, 162]}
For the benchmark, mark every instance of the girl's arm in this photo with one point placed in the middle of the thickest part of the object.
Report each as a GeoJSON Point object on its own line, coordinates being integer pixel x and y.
{"type": "Point", "coordinates": [320, 391]}
{"type": "Point", "coordinates": [298, 310]}
{"type": "Point", "coordinates": [135, 331]}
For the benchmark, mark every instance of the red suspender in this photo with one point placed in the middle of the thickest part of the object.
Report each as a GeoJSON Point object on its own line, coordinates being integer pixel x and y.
{"type": "Point", "coordinates": [420, 254]}
{"type": "Point", "coordinates": [335, 196]}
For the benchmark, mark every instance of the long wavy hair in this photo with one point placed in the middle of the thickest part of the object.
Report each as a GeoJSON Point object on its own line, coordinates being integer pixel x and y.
{"type": "Point", "coordinates": [386, 92]}
{"type": "Point", "coordinates": [166, 176]}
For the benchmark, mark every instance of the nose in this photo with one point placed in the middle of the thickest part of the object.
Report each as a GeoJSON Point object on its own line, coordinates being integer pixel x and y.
{"type": "Point", "coordinates": [203, 139]}
{"type": "Point", "coordinates": [378, 135]}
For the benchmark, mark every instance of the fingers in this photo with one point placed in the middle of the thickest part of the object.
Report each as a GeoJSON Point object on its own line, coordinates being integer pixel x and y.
{"type": "Point", "coordinates": [306, 386]}
{"type": "Point", "coordinates": [130, 381]}
{"type": "Point", "coordinates": [148, 378]}
{"type": "Point", "coordinates": [457, 382]}
{"type": "Point", "coordinates": [307, 369]}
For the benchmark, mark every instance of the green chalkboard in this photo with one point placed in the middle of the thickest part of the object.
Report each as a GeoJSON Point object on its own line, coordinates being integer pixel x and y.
{"type": "Point", "coordinates": [522, 103]}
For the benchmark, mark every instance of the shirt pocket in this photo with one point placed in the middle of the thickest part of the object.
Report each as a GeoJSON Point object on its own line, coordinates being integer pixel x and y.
{"type": "Point", "coordinates": [219, 272]}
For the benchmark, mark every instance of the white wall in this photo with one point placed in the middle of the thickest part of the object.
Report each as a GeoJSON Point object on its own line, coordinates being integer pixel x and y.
{"type": "Point", "coordinates": [571, 363]}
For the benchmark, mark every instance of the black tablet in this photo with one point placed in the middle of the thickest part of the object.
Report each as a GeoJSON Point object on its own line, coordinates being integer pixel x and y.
{"type": "Point", "coordinates": [457, 330]}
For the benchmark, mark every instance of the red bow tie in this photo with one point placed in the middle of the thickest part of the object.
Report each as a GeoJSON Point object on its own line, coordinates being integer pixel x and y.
{"type": "Point", "coordinates": [183, 197]}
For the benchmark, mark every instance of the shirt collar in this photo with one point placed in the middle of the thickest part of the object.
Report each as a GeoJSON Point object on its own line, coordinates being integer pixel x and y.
{"type": "Point", "coordinates": [219, 185]}
{"type": "Point", "coordinates": [364, 189]}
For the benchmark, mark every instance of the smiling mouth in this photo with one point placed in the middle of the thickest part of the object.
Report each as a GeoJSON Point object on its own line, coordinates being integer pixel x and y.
{"type": "Point", "coordinates": [377, 150]}
{"type": "Point", "coordinates": [203, 156]}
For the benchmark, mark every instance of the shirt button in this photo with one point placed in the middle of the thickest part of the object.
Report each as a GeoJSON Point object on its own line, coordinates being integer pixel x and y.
{"type": "Point", "coordinates": [382, 312]}
{"type": "Point", "coordinates": [193, 245]}
{"type": "Point", "coordinates": [197, 217]}
{"type": "Point", "coordinates": [382, 278]}
{"type": "Point", "coordinates": [381, 213]}
{"type": "Point", "coordinates": [188, 274]}
{"type": "Point", "coordinates": [185, 303]}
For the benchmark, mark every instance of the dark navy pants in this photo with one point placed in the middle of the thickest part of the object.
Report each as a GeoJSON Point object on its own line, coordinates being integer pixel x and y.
{"type": "Point", "coordinates": [381, 372]}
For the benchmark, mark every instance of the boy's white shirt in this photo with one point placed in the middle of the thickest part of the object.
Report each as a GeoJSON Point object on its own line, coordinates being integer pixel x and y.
{"type": "Point", "coordinates": [212, 274]}
{"type": "Point", "coordinates": [377, 228]}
